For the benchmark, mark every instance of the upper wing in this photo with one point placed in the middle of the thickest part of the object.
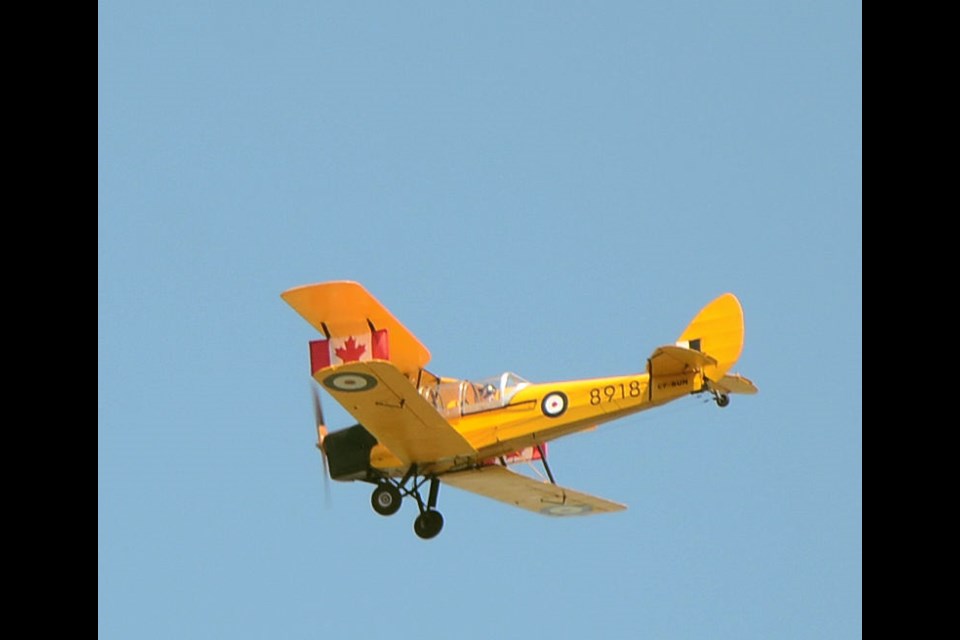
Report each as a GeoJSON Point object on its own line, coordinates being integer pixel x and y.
{"type": "Point", "coordinates": [346, 308]}
{"type": "Point", "coordinates": [384, 401]}
{"type": "Point", "coordinates": [522, 491]}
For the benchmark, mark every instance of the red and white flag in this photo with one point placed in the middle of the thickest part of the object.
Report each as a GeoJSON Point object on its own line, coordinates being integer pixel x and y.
{"type": "Point", "coordinates": [372, 345]}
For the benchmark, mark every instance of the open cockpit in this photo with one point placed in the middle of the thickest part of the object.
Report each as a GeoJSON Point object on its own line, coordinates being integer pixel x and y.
{"type": "Point", "coordinates": [453, 397]}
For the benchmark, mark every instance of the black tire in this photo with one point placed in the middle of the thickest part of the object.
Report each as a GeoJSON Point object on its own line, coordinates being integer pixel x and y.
{"type": "Point", "coordinates": [428, 524]}
{"type": "Point", "coordinates": [386, 499]}
{"type": "Point", "coordinates": [723, 400]}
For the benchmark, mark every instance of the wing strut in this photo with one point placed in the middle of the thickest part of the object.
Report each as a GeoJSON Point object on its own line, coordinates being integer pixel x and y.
{"type": "Point", "coordinates": [543, 459]}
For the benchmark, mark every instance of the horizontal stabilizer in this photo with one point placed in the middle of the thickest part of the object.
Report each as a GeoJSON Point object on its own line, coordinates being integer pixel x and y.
{"type": "Point", "coordinates": [528, 493]}
{"type": "Point", "coordinates": [668, 360]}
{"type": "Point", "coordinates": [735, 383]}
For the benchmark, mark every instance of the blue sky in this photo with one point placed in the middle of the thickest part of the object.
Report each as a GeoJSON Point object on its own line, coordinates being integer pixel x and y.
{"type": "Point", "coordinates": [553, 188]}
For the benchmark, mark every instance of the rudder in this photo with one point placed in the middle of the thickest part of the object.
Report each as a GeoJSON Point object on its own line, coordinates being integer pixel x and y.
{"type": "Point", "coordinates": [716, 331]}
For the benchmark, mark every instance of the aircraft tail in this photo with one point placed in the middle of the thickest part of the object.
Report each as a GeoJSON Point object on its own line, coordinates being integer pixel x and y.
{"type": "Point", "coordinates": [702, 356]}
{"type": "Point", "coordinates": [716, 331]}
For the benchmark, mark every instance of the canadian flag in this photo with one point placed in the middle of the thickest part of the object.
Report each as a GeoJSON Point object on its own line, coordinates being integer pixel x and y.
{"type": "Point", "coordinates": [372, 345]}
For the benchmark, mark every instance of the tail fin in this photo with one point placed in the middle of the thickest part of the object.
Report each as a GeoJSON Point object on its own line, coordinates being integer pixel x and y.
{"type": "Point", "coordinates": [700, 359]}
{"type": "Point", "coordinates": [716, 331]}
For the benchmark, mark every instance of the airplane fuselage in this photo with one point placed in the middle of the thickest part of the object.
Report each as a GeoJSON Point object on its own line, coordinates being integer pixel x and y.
{"type": "Point", "coordinates": [539, 413]}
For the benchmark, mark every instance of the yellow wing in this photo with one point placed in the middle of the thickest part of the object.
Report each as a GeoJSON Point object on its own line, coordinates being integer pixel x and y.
{"type": "Point", "coordinates": [384, 401]}
{"type": "Point", "coordinates": [522, 491]}
{"type": "Point", "coordinates": [346, 308]}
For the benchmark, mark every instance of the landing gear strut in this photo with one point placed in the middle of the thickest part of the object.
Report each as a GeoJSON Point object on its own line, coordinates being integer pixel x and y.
{"type": "Point", "coordinates": [722, 399]}
{"type": "Point", "coordinates": [429, 523]}
{"type": "Point", "coordinates": [389, 494]}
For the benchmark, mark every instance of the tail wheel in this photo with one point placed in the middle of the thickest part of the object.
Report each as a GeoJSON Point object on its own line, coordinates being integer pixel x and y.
{"type": "Point", "coordinates": [386, 499]}
{"type": "Point", "coordinates": [722, 400]}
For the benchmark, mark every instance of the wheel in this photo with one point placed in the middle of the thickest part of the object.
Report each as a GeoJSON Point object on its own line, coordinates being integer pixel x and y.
{"type": "Point", "coordinates": [386, 499]}
{"type": "Point", "coordinates": [723, 400]}
{"type": "Point", "coordinates": [428, 524]}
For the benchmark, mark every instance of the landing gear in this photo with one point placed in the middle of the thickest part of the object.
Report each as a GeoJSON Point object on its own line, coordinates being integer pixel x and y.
{"type": "Point", "coordinates": [386, 499]}
{"type": "Point", "coordinates": [389, 494]}
{"type": "Point", "coordinates": [428, 524]}
{"type": "Point", "coordinates": [720, 395]}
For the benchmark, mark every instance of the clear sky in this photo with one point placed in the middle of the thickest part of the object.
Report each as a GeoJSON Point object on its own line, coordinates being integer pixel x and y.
{"type": "Point", "coordinates": [553, 188]}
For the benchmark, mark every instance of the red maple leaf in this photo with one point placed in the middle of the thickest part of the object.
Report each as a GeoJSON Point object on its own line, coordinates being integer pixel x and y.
{"type": "Point", "coordinates": [350, 351]}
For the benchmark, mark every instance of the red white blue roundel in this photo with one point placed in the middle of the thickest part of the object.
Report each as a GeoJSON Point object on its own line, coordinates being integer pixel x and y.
{"type": "Point", "coordinates": [350, 381]}
{"type": "Point", "coordinates": [554, 404]}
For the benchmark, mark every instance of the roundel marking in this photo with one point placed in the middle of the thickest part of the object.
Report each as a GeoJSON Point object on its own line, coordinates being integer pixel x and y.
{"type": "Point", "coordinates": [350, 381]}
{"type": "Point", "coordinates": [565, 510]}
{"type": "Point", "coordinates": [554, 404]}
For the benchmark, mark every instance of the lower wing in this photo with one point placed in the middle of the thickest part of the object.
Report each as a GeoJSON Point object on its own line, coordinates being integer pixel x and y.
{"type": "Point", "coordinates": [522, 491]}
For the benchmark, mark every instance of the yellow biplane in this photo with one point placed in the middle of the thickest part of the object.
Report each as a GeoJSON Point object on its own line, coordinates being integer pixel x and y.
{"type": "Point", "coordinates": [416, 428]}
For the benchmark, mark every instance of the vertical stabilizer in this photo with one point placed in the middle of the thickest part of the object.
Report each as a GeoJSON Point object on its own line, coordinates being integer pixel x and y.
{"type": "Point", "coordinates": [716, 331]}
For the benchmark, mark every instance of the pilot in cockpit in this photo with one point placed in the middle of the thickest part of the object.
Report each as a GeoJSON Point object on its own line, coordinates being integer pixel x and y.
{"type": "Point", "coordinates": [488, 393]}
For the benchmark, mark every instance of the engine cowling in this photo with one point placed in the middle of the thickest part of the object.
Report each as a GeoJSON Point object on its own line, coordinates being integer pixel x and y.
{"type": "Point", "coordinates": [348, 452]}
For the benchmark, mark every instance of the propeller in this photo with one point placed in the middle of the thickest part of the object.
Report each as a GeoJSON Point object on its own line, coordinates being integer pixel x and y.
{"type": "Point", "coordinates": [321, 436]}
